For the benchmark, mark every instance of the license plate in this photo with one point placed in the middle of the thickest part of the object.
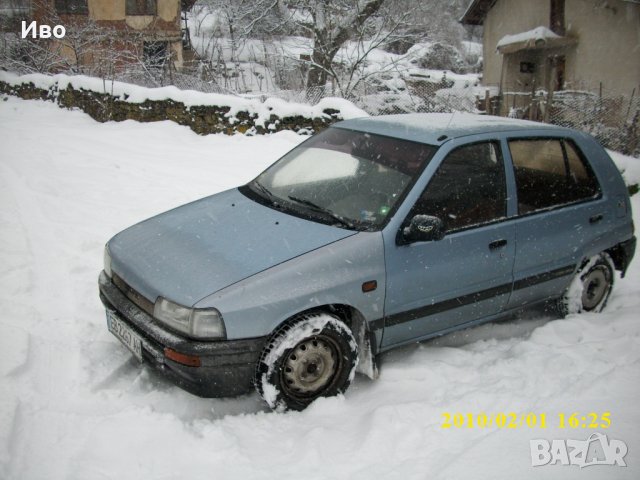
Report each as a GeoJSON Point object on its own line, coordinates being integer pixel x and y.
{"type": "Point", "coordinates": [123, 333]}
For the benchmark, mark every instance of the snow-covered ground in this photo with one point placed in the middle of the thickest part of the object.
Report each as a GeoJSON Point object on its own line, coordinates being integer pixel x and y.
{"type": "Point", "coordinates": [74, 405]}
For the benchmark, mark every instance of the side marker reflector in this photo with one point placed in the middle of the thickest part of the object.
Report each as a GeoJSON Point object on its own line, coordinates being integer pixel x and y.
{"type": "Point", "coordinates": [182, 358]}
{"type": "Point", "coordinates": [369, 286]}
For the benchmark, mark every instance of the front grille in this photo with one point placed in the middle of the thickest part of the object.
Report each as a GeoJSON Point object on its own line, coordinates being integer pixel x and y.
{"type": "Point", "coordinates": [131, 294]}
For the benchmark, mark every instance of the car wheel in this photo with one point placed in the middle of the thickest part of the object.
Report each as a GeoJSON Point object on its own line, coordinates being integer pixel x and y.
{"type": "Point", "coordinates": [314, 355]}
{"type": "Point", "coordinates": [591, 286]}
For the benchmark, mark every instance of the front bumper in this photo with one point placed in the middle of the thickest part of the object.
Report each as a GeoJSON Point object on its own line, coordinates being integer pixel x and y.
{"type": "Point", "coordinates": [226, 367]}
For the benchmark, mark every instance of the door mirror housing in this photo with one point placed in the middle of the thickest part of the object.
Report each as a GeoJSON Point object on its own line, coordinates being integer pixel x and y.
{"type": "Point", "coordinates": [422, 228]}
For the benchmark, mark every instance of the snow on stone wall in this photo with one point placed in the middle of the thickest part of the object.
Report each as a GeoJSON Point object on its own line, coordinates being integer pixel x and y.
{"type": "Point", "coordinates": [203, 112]}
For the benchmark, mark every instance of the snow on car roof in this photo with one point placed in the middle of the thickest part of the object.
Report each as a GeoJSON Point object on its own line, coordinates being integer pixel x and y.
{"type": "Point", "coordinates": [432, 127]}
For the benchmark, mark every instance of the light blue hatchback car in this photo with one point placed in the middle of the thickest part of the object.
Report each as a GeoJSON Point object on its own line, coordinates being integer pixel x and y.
{"type": "Point", "coordinates": [374, 233]}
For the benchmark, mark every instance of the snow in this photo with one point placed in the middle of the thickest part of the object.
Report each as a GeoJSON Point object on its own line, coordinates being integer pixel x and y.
{"type": "Point", "coordinates": [136, 94]}
{"type": "Point", "coordinates": [472, 48]}
{"type": "Point", "coordinates": [629, 166]}
{"type": "Point", "coordinates": [535, 35]}
{"type": "Point", "coordinates": [15, 354]}
{"type": "Point", "coordinates": [75, 406]}
{"type": "Point", "coordinates": [252, 66]}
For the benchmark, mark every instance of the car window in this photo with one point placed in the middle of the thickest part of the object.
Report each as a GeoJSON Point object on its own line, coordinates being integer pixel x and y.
{"type": "Point", "coordinates": [550, 172]}
{"type": "Point", "coordinates": [354, 176]}
{"type": "Point", "coordinates": [336, 166]}
{"type": "Point", "coordinates": [467, 189]}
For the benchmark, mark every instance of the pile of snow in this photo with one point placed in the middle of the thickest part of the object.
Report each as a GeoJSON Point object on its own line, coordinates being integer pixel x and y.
{"type": "Point", "coordinates": [76, 406]}
{"type": "Point", "coordinates": [628, 166]}
{"type": "Point", "coordinates": [190, 98]}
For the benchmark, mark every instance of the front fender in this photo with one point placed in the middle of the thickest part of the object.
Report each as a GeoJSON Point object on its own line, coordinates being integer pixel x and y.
{"type": "Point", "coordinates": [333, 274]}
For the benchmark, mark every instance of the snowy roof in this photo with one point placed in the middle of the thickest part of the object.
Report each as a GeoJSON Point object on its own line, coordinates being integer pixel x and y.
{"type": "Point", "coordinates": [539, 37]}
{"type": "Point", "coordinates": [430, 127]}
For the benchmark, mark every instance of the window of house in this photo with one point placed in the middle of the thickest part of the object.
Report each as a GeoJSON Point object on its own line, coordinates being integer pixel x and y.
{"type": "Point", "coordinates": [467, 189]}
{"type": "Point", "coordinates": [72, 6]}
{"type": "Point", "coordinates": [550, 172]}
{"type": "Point", "coordinates": [141, 7]}
{"type": "Point", "coordinates": [556, 21]}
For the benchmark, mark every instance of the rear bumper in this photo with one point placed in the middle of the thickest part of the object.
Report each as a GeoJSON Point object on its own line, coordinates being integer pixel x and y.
{"type": "Point", "coordinates": [226, 367]}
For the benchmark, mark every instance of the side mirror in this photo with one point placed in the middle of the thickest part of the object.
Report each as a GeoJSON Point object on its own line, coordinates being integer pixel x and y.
{"type": "Point", "coordinates": [423, 228]}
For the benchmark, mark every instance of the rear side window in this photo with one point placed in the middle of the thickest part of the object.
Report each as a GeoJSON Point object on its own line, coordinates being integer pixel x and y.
{"type": "Point", "coordinates": [550, 172]}
{"type": "Point", "coordinates": [467, 189]}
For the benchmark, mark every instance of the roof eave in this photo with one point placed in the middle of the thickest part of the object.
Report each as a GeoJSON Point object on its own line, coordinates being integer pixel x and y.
{"type": "Point", "coordinates": [539, 44]}
{"type": "Point", "coordinates": [476, 12]}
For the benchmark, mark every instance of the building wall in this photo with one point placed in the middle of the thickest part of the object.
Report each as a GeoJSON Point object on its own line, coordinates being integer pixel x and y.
{"type": "Point", "coordinates": [165, 26]}
{"type": "Point", "coordinates": [508, 17]}
{"type": "Point", "coordinates": [608, 48]}
{"type": "Point", "coordinates": [104, 10]}
{"type": "Point", "coordinates": [113, 13]}
{"type": "Point", "coordinates": [168, 13]}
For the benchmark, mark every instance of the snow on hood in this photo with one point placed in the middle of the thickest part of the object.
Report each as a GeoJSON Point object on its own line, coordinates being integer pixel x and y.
{"type": "Point", "coordinates": [195, 250]}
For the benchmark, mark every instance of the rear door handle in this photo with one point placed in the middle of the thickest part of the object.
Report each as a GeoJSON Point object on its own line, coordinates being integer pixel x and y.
{"type": "Point", "coordinates": [595, 218]}
{"type": "Point", "coordinates": [497, 244]}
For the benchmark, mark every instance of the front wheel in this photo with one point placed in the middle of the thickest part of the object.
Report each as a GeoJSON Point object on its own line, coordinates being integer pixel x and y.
{"type": "Point", "coordinates": [591, 287]}
{"type": "Point", "coordinates": [313, 356]}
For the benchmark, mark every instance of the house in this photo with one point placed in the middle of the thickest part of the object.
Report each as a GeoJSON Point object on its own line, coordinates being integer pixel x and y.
{"type": "Point", "coordinates": [150, 30]}
{"type": "Point", "coordinates": [12, 12]}
{"type": "Point", "coordinates": [553, 45]}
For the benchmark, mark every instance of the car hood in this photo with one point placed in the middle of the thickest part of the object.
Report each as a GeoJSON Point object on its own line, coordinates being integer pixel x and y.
{"type": "Point", "coordinates": [195, 250]}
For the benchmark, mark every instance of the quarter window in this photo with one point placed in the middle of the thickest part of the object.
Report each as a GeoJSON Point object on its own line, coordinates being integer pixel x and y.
{"type": "Point", "coordinates": [72, 6]}
{"type": "Point", "coordinates": [467, 189]}
{"type": "Point", "coordinates": [550, 172]}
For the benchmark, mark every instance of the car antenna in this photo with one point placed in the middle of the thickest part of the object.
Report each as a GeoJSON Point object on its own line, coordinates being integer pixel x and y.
{"type": "Point", "coordinates": [451, 119]}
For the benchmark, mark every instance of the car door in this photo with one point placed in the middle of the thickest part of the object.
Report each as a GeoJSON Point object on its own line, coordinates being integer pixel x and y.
{"type": "Point", "coordinates": [433, 286]}
{"type": "Point", "coordinates": [560, 210]}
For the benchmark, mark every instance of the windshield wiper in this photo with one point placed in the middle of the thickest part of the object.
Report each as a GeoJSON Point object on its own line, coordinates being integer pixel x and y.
{"type": "Point", "coordinates": [314, 206]}
{"type": "Point", "coordinates": [265, 192]}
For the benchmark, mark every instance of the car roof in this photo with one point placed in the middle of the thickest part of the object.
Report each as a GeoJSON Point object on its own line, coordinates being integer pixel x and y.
{"type": "Point", "coordinates": [437, 128]}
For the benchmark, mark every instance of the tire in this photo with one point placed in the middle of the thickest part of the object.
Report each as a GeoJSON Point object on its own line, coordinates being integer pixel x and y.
{"type": "Point", "coordinates": [312, 356]}
{"type": "Point", "coordinates": [591, 286]}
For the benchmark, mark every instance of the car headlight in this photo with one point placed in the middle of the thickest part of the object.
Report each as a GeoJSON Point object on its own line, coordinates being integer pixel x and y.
{"type": "Point", "coordinates": [107, 261]}
{"type": "Point", "coordinates": [202, 323]}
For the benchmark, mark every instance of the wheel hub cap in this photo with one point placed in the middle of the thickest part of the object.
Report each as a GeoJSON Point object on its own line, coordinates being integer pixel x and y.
{"type": "Point", "coordinates": [595, 286]}
{"type": "Point", "coordinates": [310, 366]}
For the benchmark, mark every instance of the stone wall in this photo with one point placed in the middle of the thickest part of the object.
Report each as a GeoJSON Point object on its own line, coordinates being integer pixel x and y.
{"type": "Point", "coordinates": [203, 120]}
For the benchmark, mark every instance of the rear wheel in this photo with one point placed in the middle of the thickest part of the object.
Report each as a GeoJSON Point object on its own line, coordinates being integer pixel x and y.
{"type": "Point", "coordinates": [591, 287]}
{"type": "Point", "coordinates": [313, 356]}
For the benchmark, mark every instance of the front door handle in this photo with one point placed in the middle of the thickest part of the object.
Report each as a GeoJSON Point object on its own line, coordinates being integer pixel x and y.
{"type": "Point", "coordinates": [497, 244]}
{"type": "Point", "coordinates": [595, 218]}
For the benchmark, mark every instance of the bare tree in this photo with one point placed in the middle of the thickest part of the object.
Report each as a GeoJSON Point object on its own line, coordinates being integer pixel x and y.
{"type": "Point", "coordinates": [338, 36]}
{"type": "Point", "coordinates": [330, 25]}
{"type": "Point", "coordinates": [88, 48]}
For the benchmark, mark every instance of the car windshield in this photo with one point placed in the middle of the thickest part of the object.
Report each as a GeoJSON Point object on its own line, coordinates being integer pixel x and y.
{"type": "Point", "coordinates": [352, 179]}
